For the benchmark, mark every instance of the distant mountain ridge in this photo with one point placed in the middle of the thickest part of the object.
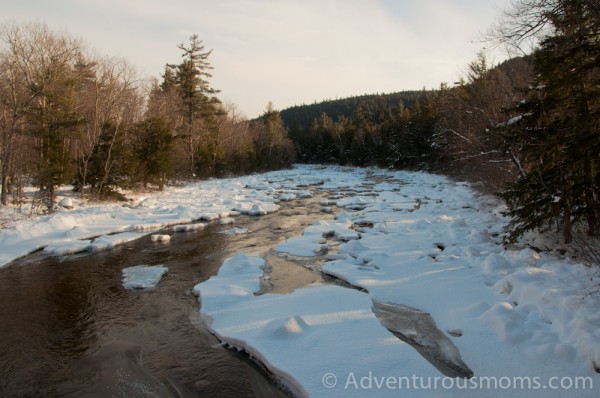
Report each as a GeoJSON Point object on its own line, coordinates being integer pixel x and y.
{"type": "Point", "coordinates": [303, 115]}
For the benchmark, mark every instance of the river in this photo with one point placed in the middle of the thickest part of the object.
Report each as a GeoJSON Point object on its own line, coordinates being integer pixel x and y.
{"type": "Point", "coordinates": [68, 327]}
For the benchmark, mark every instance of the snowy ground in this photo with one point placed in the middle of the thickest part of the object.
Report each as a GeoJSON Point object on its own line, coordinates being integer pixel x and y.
{"type": "Point", "coordinates": [95, 227]}
{"type": "Point", "coordinates": [526, 324]}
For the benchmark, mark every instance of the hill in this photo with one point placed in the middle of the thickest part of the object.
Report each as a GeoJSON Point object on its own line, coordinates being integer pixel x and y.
{"type": "Point", "coordinates": [303, 115]}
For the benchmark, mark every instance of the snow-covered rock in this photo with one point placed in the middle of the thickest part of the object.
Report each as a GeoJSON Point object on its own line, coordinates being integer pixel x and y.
{"type": "Point", "coordinates": [66, 203]}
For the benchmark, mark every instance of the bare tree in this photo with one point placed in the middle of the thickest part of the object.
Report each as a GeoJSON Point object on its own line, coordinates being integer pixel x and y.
{"type": "Point", "coordinates": [32, 59]}
{"type": "Point", "coordinates": [110, 95]}
{"type": "Point", "coordinates": [15, 99]}
{"type": "Point", "coordinates": [469, 113]}
{"type": "Point", "coordinates": [522, 25]}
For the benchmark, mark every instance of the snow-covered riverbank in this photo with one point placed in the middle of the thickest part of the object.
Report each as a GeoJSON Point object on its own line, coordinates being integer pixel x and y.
{"type": "Point", "coordinates": [94, 227]}
{"type": "Point", "coordinates": [526, 324]}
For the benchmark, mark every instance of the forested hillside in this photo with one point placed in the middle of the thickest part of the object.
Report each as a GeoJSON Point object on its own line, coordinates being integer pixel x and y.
{"type": "Point", "coordinates": [526, 129]}
{"type": "Point", "coordinates": [447, 129]}
{"type": "Point", "coordinates": [302, 116]}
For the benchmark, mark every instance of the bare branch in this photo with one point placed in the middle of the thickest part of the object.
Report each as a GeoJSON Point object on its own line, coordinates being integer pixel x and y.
{"type": "Point", "coordinates": [523, 24]}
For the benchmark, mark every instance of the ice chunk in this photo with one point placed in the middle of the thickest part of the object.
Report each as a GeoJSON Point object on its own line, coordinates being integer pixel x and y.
{"type": "Point", "coordinates": [189, 227]}
{"type": "Point", "coordinates": [143, 276]}
{"type": "Point", "coordinates": [209, 217]}
{"type": "Point", "coordinates": [226, 220]}
{"type": "Point", "coordinates": [66, 248]}
{"type": "Point", "coordinates": [160, 238]}
{"type": "Point", "coordinates": [107, 242]}
{"type": "Point", "coordinates": [235, 231]}
{"type": "Point", "coordinates": [286, 197]}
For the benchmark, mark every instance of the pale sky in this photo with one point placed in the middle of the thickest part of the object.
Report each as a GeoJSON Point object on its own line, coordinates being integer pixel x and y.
{"type": "Point", "coordinates": [289, 52]}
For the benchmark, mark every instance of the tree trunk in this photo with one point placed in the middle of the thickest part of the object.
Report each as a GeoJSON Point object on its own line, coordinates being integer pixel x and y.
{"type": "Point", "coordinates": [591, 204]}
{"type": "Point", "coordinates": [567, 230]}
{"type": "Point", "coordinates": [566, 205]}
{"type": "Point", "coordinates": [4, 193]}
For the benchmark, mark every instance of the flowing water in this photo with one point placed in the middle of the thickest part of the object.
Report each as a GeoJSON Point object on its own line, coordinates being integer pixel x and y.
{"type": "Point", "coordinates": [69, 328]}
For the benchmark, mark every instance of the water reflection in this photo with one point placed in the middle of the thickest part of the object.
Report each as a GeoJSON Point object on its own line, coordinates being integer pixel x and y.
{"type": "Point", "coordinates": [67, 323]}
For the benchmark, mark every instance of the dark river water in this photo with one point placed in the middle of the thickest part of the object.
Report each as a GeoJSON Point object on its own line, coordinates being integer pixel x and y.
{"type": "Point", "coordinates": [68, 327]}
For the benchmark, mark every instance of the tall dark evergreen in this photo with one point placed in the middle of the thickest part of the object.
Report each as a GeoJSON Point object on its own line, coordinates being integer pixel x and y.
{"type": "Point", "coordinates": [54, 120]}
{"type": "Point", "coordinates": [192, 76]}
{"type": "Point", "coordinates": [199, 109]}
{"type": "Point", "coordinates": [557, 131]}
{"type": "Point", "coordinates": [152, 144]}
{"type": "Point", "coordinates": [169, 78]}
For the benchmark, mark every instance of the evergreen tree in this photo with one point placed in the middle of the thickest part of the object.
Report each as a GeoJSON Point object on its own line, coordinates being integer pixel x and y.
{"type": "Point", "coordinates": [191, 76]}
{"type": "Point", "coordinates": [109, 166]}
{"type": "Point", "coordinates": [54, 121]}
{"type": "Point", "coordinates": [200, 109]}
{"type": "Point", "coordinates": [274, 148]}
{"type": "Point", "coordinates": [558, 130]}
{"type": "Point", "coordinates": [152, 144]}
{"type": "Point", "coordinates": [169, 78]}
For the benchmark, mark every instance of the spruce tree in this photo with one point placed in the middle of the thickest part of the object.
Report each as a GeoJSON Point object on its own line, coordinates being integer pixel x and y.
{"type": "Point", "coordinates": [557, 132]}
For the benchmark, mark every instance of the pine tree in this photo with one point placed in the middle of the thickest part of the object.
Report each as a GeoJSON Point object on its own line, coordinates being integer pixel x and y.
{"type": "Point", "coordinates": [558, 130]}
{"type": "Point", "coordinates": [169, 78]}
{"type": "Point", "coordinates": [200, 109]}
{"type": "Point", "coordinates": [191, 76]}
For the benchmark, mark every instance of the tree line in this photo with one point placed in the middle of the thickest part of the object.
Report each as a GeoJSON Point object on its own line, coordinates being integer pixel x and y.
{"type": "Point", "coordinates": [68, 116]}
{"type": "Point", "coordinates": [303, 115]}
{"type": "Point", "coordinates": [449, 129]}
{"type": "Point", "coordinates": [526, 129]}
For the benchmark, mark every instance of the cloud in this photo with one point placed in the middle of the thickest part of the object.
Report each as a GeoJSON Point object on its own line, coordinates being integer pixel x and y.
{"type": "Point", "coordinates": [287, 51]}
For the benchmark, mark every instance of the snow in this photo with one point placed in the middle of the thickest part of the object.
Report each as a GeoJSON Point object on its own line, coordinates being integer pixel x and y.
{"type": "Point", "coordinates": [226, 220]}
{"type": "Point", "coordinates": [143, 276]}
{"type": "Point", "coordinates": [160, 238]}
{"type": "Point", "coordinates": [412, 239]}
{"type": "Point", "coordinates": [296, 333]}
{"type": "Point", "coordinates": [236, 231]}
{"type": "Point", "coordinates": [107, 242]}
{"type": "Point", "coordinates": [314, 240]}
{"type": "Point", "coordinates": [189, 227]}
{"type": "Point", "coordinates": [180, 208]}
{"type": "Point", "coordinates": [65, 248]}
{"type": "Point", "coordinates": [514, 315]}
{"type": "Point", "coordinates": [67, 203]}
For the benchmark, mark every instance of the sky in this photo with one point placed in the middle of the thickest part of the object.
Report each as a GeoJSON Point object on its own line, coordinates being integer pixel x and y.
{"type": "Point", "coordinates": [288, 52]}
